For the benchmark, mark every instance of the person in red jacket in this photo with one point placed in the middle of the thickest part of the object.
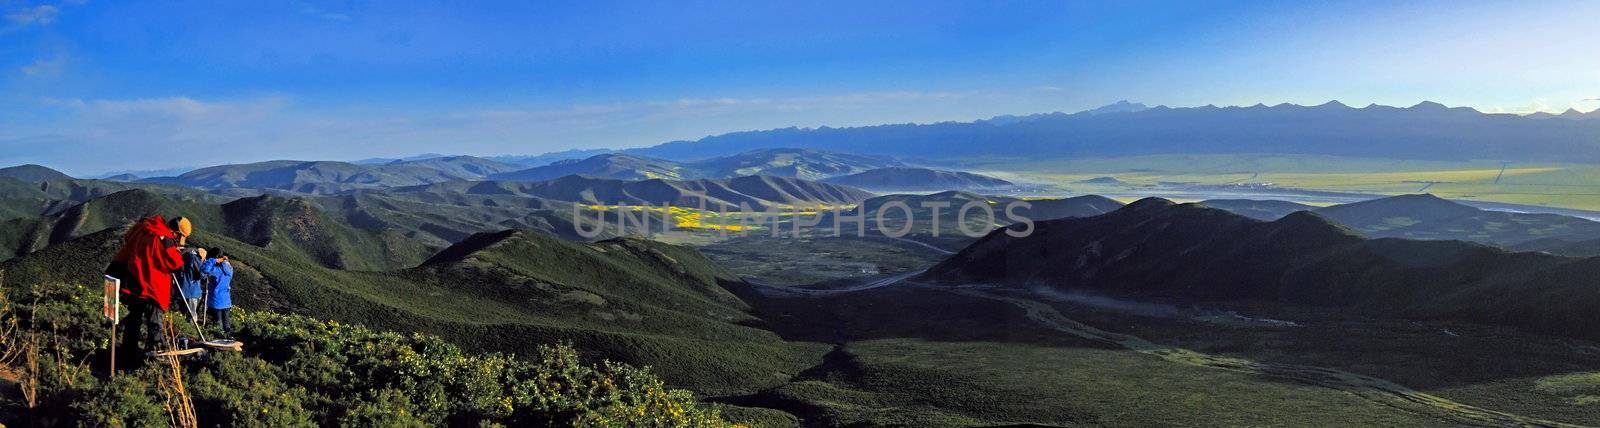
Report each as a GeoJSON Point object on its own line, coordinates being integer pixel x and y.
{"type": "Point", "coordinates": [149, 254]}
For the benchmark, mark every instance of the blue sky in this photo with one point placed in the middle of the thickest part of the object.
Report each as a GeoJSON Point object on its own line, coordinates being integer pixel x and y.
{"type": "Point", "coordinates": [94, 86]}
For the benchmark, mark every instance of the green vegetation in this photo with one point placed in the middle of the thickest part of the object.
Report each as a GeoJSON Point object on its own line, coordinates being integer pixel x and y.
{"type": "Point", "coordinates": [299, 371]}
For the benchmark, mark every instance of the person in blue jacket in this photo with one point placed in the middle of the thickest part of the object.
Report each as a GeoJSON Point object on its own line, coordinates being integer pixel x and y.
{"type": "Point", "coordinates": [190, 278]}
{"type": "Point", "coordinates": [221, 300]}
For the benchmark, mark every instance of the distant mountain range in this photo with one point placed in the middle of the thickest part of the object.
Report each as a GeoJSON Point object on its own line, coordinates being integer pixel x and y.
{"type": "Point", "coordinates": [758, 192]}
{"type": "Point", "coordinates": [783, 162]}
{"type": "Point", "coordinates": [328, 177]}
{"type": "Point", "coordinates": [1157, 249]}
{"type": "Point", "coordinates": [1425, 131]}
{"type": "Point", "coordinates": [918, 179]}
{"type": "Point", "coordinates": [1570, 114]}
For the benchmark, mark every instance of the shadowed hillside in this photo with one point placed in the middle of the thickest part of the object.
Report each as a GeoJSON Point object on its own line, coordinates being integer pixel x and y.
{"type": "Point", "coordinates": [1154, 248]}
{"type": "Point", "coordinates": [626, 299]}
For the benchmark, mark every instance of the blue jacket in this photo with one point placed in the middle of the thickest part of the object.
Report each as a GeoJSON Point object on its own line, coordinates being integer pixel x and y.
{"type": "Point", "coordinates": [189, 276]}
{"type": "Point", "coordinates": [221, 283]}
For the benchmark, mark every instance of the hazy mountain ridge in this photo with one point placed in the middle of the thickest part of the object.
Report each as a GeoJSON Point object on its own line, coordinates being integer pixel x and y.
{"type": "Point", "coordinates": [1425, 131]}
{"type": "Point", "coordinates": [755, 191]}
{"type": "Point", "coordinates": [783, 162]}
{"type": "Point", "coordinates": [328, 177]}
{"type": "Point", "coordinates": [918, 179]}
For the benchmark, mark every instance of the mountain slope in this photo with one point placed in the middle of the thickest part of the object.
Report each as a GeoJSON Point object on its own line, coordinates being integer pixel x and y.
{"type": "Point", "coordinates": [783, 162]}
{"type": "Point", "coordinates": [610, 165]}
{"type": "Point", "coordinates": [788, 162]}
{"type": "Point", "coordinates": [33, 173]}
{"type": "Point", "coordinates": [756, 191]}
{"type": "Point", "coordinates": [628, 300]}
{"type": "Point", "coordinates": [315, 177]}
{"type": "Point", "coordinates": [1431, 217]}
{"type": "Point", "coordinates": [913, 179]}
{"type": "Point", "coordinates": [1264, 210]}
{"type": "Point", "coordinates": [461, 166]}
{"type": "Point", "coordinates": [1156, 249]}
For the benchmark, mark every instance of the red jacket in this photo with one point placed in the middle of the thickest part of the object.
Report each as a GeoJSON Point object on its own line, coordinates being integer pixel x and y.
{"type": "Point", "coordinates": [149, 261]}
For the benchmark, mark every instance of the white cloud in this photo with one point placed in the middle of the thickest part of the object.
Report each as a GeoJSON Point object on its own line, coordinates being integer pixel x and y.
{"type": "Point", "coordinates": [45, 66]}
{"type": "Point", "coordinates": [42, 15]}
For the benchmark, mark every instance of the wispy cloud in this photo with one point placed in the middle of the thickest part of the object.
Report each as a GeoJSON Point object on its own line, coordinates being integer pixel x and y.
{"type": "Point", "coordinates": [45, 66]}
{"type": "Point", "coordinates": [41, 15]}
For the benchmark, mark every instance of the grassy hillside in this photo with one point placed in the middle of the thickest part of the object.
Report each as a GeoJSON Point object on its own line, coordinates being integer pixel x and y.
{"type": "Point", "coordinates": [757, 192]}
{"type": "Point", "coordinates": [323, 177]}
{"type": "Point", "coordinates": [918, 179]}
{"type": "Point", "coordinates": [1430, 217]}
{"type": "Point", "coordinates": [789, 162]}
{"type": "Point", "coordinates": [629, 300]}
{"type": "Point", "coordinates": [299, 371]}
{"type": "Point", "coordinates": [608, 165]}
{"type": "Point", "coordinates": [1154, 248]}
{"type": "Point", "coordinates": [781, 162]}
{"type": "Point", "coordinates": [33, 173]}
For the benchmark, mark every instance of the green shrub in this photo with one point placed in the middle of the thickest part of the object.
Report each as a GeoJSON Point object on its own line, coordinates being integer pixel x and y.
{"type": "Point", "coordinates": [299, 371]}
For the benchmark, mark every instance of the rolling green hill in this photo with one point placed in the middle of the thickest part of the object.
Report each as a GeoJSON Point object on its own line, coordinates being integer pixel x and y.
{"type": "Point", "coordinates": [461, 166]}
{"type": "Point", "coordinates": [625, 299]}
{"type": "Point", "coordinates": [327, 177]}
{"type": "Point", "coordinates": [293, 226]}
{"type": "Point", "coordinates": [949, 235]}
{"type": "Point", "coordinates": [790, 162]}
{"type": "Point", "coordinates": [918, 179]}
{"type": "Point", "coordinates": [1155, 248]}
{"type": "Point", "coordinates": [782, 162]}
{"type": "Point", "coordinates": [1264, 210]}
{"type": "Point", "coordinates": [1431, 217]}
{"type": "Point", "coordinates": [33, 173]}
{"type": "Point", "coordinates": [755, 191]}
{"type": "Point", "coordinates": [608, 165]}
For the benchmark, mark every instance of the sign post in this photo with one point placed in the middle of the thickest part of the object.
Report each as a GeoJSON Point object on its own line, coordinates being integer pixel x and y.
{"type": "Point", "coordinates": [111, 310]}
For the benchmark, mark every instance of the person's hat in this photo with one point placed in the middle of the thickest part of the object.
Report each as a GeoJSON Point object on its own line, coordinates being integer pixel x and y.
{"type": "Point", "coordinates": [182, 227]}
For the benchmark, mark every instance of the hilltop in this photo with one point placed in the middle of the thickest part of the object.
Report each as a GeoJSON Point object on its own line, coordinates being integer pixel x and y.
{"type": "Point", "coordinates": [328, 177]}
{"type": "Point", "coordinates": [1155, 248]}
{"type": "Point", "coordinates": [33, 173]}
{"type": "Point", "coordinates": [918, 179]}
{"type": "Point", "coordinates": [756, 191]}
{"type": "Point", "coordinates": [783, 162]}
{"type": "Point", "coordinates": [1425, 216]}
